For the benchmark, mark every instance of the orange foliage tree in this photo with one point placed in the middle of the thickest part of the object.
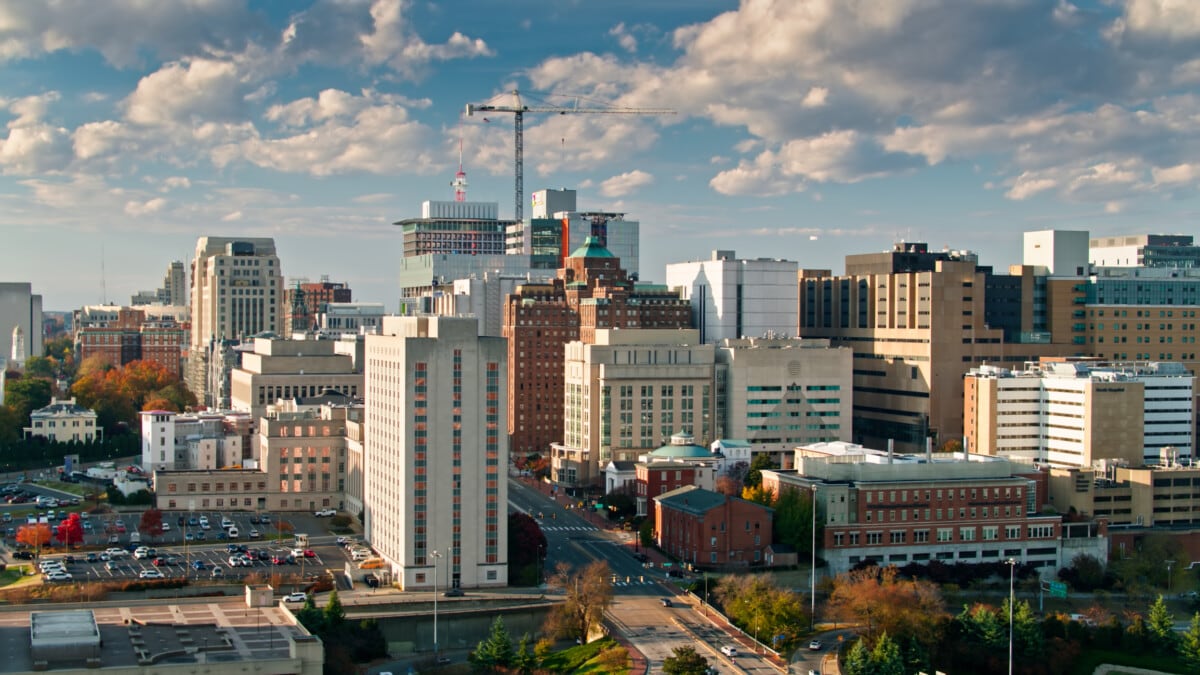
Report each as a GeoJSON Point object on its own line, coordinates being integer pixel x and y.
{"type": "Point", "coordinates": [35, 536]}
{"type": "Point", "coordinates": [118, 393]}
{"type": "Point", "coordinates": [879, 600]}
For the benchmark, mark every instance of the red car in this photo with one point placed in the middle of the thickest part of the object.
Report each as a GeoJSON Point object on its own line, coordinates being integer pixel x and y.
{"type": "Point", "coordinates": [309, 553]}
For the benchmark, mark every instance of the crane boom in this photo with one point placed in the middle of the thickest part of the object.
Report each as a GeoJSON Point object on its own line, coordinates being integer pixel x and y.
{"type": "Point", "coordinates": [518, 110]}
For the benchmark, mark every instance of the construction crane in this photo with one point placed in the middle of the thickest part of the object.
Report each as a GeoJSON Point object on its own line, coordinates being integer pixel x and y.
{"type": "Point", "coordinates": [518, 108]}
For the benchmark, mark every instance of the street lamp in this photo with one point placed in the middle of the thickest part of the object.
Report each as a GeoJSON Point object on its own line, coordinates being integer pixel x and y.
{"type": "Point", "coordinates": [436, 556]}
{"type": "Point", "coordinates": [1012, 569]}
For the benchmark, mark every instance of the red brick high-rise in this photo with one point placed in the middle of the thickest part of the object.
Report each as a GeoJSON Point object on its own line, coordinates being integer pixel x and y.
{"type": "Point", "coordinates": [591, 291]}
{"type": "Point", "coordinates": [134, 337]}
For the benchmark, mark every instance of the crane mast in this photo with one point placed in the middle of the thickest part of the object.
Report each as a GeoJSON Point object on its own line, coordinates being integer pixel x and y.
{"type": "Point", "coordinates": [518, 110]}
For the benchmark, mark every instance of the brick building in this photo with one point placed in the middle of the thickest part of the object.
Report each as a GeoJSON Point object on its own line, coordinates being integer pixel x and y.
{"type": "Point", "coordinates": [305, 301]}
{"type": "Point", "coordinates": [123, 334]}
{"type": "Point", "coordinates": [710, 530]}
{"type": "Point", "coordinates": [591, 292]}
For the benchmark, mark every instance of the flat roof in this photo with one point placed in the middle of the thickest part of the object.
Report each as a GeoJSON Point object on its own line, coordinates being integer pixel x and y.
{"type": "Point", "coordinates": [205, 630]}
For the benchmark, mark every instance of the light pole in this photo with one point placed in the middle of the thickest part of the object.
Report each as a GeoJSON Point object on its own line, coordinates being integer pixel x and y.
{"type": "Point", "coordinates": [1170, 564]}
{"type": "Point", "coordinates": [1012, 569]}
{"type": "Point", "coordinates": [812, 582]}
{"type": "Point", "coordinates": [436, 556]}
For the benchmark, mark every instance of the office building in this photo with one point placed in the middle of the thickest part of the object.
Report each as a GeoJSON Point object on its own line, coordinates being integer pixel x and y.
{"type": "Point", "coordinates": [1073, 413]}
{"type": "Point", "coordinates": [20, 308]}
{"type": "Point", "coordinates": [237, 292]}
{"type": "Point", "coordinates": [436, 457]}
{"type": "Point", "coordinates": [452, 240]}
{"type": "Point", "coordinates": [173, 291]}
{"type": "Point", "coordinates": [482, 297]}
{"type": "Point", "coordinates": [733, 298]}
{"type": "Point", "coordinates": [894, 509]}
{"type": "Point", "coordinates": [350, 318]}
{"type": "Point", "coordinates": [590, 293]}
{"type": "Point", "coordinates": [556, 228]}
{"type": "Point", "coordinates": [1144, 250]}
{"type": "Point", "coordinates": [274, 369]}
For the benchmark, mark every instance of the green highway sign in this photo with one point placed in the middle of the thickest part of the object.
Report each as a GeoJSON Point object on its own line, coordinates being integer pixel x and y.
{"type": "Point", "coordinates": [1058, 589]}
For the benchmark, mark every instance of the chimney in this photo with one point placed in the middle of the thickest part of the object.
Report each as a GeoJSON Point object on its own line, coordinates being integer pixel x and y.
{"type": "Point", "coordinates": [891, 449]}
{"type": "Point", "coordinates": [928, 450]}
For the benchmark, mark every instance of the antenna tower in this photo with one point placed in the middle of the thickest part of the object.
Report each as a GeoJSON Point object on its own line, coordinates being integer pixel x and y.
{"type": "Point", "coordinates": [460, 178]}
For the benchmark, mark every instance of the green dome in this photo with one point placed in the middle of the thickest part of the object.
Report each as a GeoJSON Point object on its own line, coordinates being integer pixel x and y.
{"type": "Point", "coordinates": [592, 249]}
{"type": "Point", "coordinates": [680, 447]}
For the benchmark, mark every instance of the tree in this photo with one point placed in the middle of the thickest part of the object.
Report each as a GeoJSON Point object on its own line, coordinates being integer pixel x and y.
{"type": "Point", "coordinates": [588, 595]}
{"type": "Point", "coordinates": [526, 546]}
{"type": "Point", "coordinates": [886, 658]}
{"type": "Point", "coordinates": [728, 485]}
{"type": "Point", "coordinates": [1160, 624]}
{"type": "Point", "coordinates": [525, 660]}
{"type": "Point", "coordinates": [858, 659]}
{"type": "Point", "coordinates": [40, 366]}
{"type": "Point", "coordinates": [335, 614]}
{"type": "Point", "coordinates": [794, 519]}
{"type": "Point", "coordinates": [685, 661]}
{"type": "Point", "coordinates": [152, 523]}
{"type": "Point", "coordinates": [1086, 573]}
{"type": "Point", "coordinates": [36, 536]}
{"type": "Point", "coordinates": [70, 531]}
{"type": "Point", "coordinates": [757, 605]}
{"type": "Point", "coordinates": [26, 394]}
{"type": "Point", "coordinates": [496, 651]}
{"type": "Point", "coordinates": [880, 600]}
{"type": "Point", "coordinates": [759, 495]}
{"type": "Point", "coordinates": [760, 461]}
{"type": "Point", "coordinates": [1189, 644]}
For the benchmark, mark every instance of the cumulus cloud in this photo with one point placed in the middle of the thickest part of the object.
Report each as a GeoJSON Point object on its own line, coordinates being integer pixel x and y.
{"type": "Point", "coordinates": [624, 38]}
{"type": "Point", "coordinates": [33, 145]}
{"type": "Point", "coordinates": [181, 92]}
{"type": "Point", "coordinates": [626, 183]}
{"type": "Point", "coordinates": [139, 208]}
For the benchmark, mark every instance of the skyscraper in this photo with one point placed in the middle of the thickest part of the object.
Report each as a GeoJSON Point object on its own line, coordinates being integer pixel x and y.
{"type": "Point", "coordinates": [436, 453]}
{"type": "Point", "coordinates": [237, 292]}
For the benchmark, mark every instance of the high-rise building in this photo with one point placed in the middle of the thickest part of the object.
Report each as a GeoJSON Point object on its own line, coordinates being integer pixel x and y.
{"type": "Point", "coordinates": [173, 291]}
{"type": "Point", "coordinates": [1145, 250]}
{"type": "Point", "coordinates": [1073, 413]}
{"type": "Point", "coordinates": [436, 457]}
{"type": "Point", "coordinates": [237, 292]}
{"type": "Point", "coordinates": [735, 298]}
{"type": "Point", "coordinates": [20, 308]}
{"type": "Point", "coordinates": [453, 240]}
{"type": "Point", "coordinates": [591, 292]}
{"type": "Point", "coordinates": [556, 228]}
{"type": "Point", "coordinates": [917, 321]}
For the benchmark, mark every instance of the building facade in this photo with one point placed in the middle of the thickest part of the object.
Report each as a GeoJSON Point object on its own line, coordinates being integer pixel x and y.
{"type": "Point", "coordinates": [237, 292]}
{"type": "Point", "coordinates": [436, 456]}
{"type": "Point", "coordinates": [286, 369]}
{"type": "Point", "coordinates": [304, 302]}
{"type": "Point", "coordinates": [63, 421]}
{"type": "Point", "coordinates": [201, 441]}
{"type": "Point", "coordinates": [123, 334]}
{"type": "Point", "coordinates": [709, 530]}
{"type": "Point", "coordinates": [20, 308]}
{"type": "Point", "coordinates": [735, 298]}
{"type": "Point", "coordinates": [1145, 250]}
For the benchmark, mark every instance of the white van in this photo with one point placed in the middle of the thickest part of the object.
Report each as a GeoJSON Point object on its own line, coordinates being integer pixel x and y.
{"type": "Point", "coordinates": [233, 533]}
{"type": "Point", "coordinates": [360, 554]}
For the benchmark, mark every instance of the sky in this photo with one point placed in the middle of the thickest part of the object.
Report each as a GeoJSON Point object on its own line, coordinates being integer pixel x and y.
{"type": "Point", "coordinates": [803, 129]}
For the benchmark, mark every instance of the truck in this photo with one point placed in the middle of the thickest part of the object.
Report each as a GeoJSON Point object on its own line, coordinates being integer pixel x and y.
{"type": "Point", "coordinates": [301, 540]}
{"type": "Point", "coordinates": [103, 471]}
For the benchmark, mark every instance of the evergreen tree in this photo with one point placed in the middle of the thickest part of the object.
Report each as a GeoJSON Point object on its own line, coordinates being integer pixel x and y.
{"type": "Point", "coordinates": [525, 660]}
{"type": "Point", "coordinates": [1160, 624]}
{"type": "Point", "coordinates": [886, 658]}
{"type": "Point", "coordinates": [335, 614]}
{"type": "Point", "coordinates": [916, 657]}
{"type": "Point", "coordinates": [1027, 630]}
{"type": "Point", "coordinates": [858, 660]}
{"type": "Point", "coordinates": [1189, 645]}
{"type": "Point", "coordinates": [497, 650]}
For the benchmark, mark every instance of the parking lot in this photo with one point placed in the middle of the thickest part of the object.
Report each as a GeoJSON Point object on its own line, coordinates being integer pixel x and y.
{"type": "Point", "coordinates": [194, 562]}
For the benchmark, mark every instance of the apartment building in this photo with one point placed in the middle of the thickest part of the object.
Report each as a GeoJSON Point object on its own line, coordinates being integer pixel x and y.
{"type": "Point", "coordinates": [123, 334]}
{"type": "Point", "coordinates": [734, 298]}
{"type": "Point", "coordinates": [892, 508]}
{"type": "Point", "coordinates": [1073, 413]}
{"type": "Point", "coordinates": [436, 457]}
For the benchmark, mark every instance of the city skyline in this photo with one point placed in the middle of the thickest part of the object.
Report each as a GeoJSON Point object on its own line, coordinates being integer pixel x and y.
{"type": "Point", "coordinates": [132, 132]}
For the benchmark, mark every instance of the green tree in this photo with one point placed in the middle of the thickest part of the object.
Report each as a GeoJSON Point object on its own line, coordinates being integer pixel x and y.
{"type": "Point", "coordinates": [760, 461]}
{"type": "Point", "coordinates": [496, 651]}
{"type": "Point", "coordinates": [335, 614]}
{"type": "Point", "coordinates": [757, 605]}
{"type": "Point", "coordinates": [886, 658]}
{"type": "Point", "coordinates": [982, 625]}
{"type": "Point", "coordinates": [1160, 624]}
{"type": "Point", "coordinates": [1087, 572]}
{"type": "Point", "coordinates": [525, 660]}
{"type": "Point", "coordinates": [794, 519]}
{"type": "Point", "coordinates": [40, 366]}
{"type": "Point", "coordinates": [685, 661]}
{"type": "Point", "coordinates": [1189, 645]}
{"type": "Point", "coordinates": [23, 395]}
{"type": "Point", "coordinates": [858, 659]}
{"type": "Point", "coordinates": [1028, 636]}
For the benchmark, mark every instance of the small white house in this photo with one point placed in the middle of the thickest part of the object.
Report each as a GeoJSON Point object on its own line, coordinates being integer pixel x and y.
{"type": "Point", "coordinates": [64, 422]}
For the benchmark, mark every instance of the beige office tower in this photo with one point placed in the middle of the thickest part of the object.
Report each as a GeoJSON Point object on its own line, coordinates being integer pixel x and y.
{"type": "Point", "coordinates": [436, 453]}
{"type": "Point", "coordinates": [237, 292]}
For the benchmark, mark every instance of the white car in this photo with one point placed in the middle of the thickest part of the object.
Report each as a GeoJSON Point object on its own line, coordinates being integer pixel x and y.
{"type": "Point", "coordinates": [729, 650]}
{"type": "Point", "coordinates": [115, 552]}
{"type": "Point", "coordinates": [166, 527]}
{"type": "Point", "coordinates": [141, 553]}
{"type": "Point", "coordinates": [296, 597]}
{"type": "Point", "coordinates": [226, 523]}
{"type": "Point", "coordinates": [323, 513]}
{"type": "Point", "coordinates": [58, 576]}
{"type": "Point", "coordinates": [151, 574]}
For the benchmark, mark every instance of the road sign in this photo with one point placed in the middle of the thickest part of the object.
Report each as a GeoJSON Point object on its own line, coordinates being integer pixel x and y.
{"type": "Point", "coordinates": [1058, 589]}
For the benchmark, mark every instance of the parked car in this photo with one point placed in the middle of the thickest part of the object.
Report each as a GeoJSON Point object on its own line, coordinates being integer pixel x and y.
{"type": "Point", "coordinates": [325, 513]}
{"type": "Point", "coordinates": [218, 571]}
{"type": "Point", "coordinates": [151, 574]}
{"type": "Point", "coordinates": [372, 581]}
{"type": "Point", "coordinates": [23, 555]}
{"type": "Point", "coordinates": [198, 565]}
{"type": "Point", "coordinates": [454, 593]}
{"type": "Point", "coordinates": [296, 597]}
{"type": "Point", "coordinates": [93, 557]}
{"type": "Point", "coordinates": [112, 566]}
{"type": "Point", "coordinates": [255, 534]}
{"type": "Point", "coordinates": [59, 576]}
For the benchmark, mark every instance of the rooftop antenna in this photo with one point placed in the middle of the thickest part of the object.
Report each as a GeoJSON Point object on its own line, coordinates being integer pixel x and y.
{"type": "Point", "coordinates": [460, 178]}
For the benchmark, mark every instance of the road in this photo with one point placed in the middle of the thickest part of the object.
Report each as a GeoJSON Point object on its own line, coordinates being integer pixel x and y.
{"type": "Point", "coordinates": [637, 610]}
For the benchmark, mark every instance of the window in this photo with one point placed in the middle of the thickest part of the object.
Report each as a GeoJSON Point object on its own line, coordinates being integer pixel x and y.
{"type": "Point", "coordinates": [897, 536]}
{"type": "Point", "coordinates": [945, 534]}
{"type": "Point", "coordinates": [966, 534]}
{"type": "Point", "coordinates": [920, 536]}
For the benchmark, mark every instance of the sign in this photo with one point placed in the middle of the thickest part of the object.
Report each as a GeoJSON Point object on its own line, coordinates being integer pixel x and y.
{"type": "Point", "coordinates": [1058, 589]}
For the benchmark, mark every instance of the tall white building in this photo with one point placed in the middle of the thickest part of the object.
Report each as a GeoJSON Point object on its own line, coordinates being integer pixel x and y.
{"type": "Point", "coordinates": [237, 292]}
{"type": "Point", "coordinates": [734, 298]}
{"type": "Point", "coordinates": [436, 455]}
{"type": "Point", "coordinates": [20, 308]}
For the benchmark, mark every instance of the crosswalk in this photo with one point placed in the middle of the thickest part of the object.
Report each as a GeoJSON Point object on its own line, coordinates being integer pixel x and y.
{"type": "Point", "coordinates": [634, 581]}
{"type": "Point", "coordinates": [571, 528]}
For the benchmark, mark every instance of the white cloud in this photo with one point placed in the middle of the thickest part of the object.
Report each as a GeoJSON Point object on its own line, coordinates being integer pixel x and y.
{"type": "Point", "coordinates": [138, 208]}
{"type": "Point", "coordinates": [815, 98]}
{"type": "Point", "coordinates": [626, 183]}
{"type": "Point", "coordinates": [186, 91]}
{"type": "Point", "coordinates": [624, 38]}
{"type": "Point", "coordinates": [231, 217]}
{"type": "Point", "coordinates": [393, 41]}
{"type": "Point", "coordinates": [1027, 185]}
{"type": "Point", "coordinates": [33, 145]}
{"type": "Point", "coordinates": [1162, 19]}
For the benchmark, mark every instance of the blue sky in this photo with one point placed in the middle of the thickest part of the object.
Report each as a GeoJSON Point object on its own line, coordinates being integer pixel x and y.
{"type": "Point", "coordinates": [806, 129]}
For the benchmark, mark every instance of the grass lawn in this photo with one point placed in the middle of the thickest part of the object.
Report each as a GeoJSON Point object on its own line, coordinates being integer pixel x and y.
{"type": "Point", "coordinates": [582, 659]}
{"type": "Point", "coordinates": [15, 575]}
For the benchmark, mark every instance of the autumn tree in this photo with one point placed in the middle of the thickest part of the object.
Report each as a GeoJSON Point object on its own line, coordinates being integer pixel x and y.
{"type": "Point", "coordinates": [588, 596]}
{"type": "Point", "coordinates": [526, 546]}
{"type": "Point", "coordinates": [35, 535]}
{"type": "Point", "coordinates": [70, 531]}
{"type": "Point", "coordinates": [756, 605]}
{"type": "Point", "coordinates": [117, 393]}
{"type": "Point", "coordinates": [685, 660]}
{"type": "Point", "coordinates": [151, 523]}
{"type": "Point", "coordinates": [759, 495]}
{"type": "Point", "coordinates": [878, 599]}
